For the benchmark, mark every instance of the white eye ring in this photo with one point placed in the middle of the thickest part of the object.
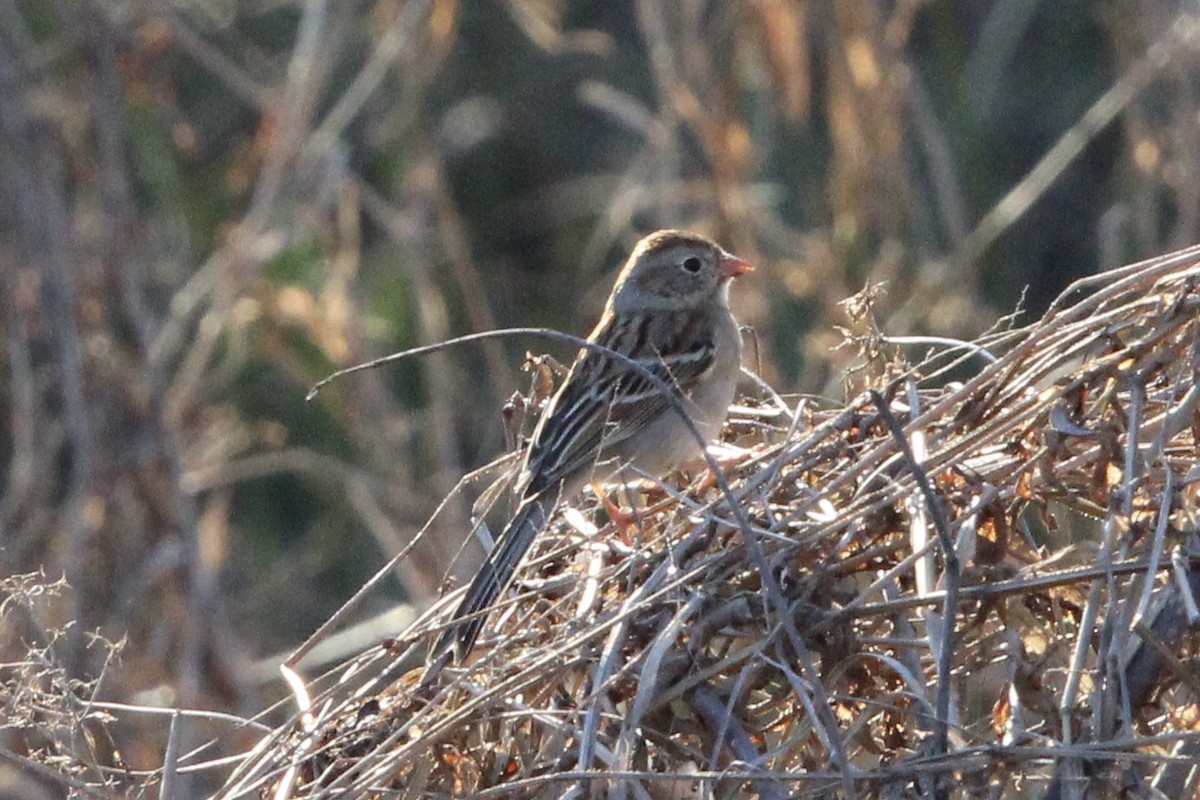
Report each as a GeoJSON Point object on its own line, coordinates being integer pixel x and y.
{"type": "Point", "coordinates": [691, 264]}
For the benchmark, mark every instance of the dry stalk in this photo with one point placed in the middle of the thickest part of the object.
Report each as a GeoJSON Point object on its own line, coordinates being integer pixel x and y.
{"type": "Point", "coordinates": [786, 647]}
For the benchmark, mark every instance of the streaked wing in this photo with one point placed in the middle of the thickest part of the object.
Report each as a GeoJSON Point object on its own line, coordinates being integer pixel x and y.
{"type": "Point", "coordinates": [603, 402]}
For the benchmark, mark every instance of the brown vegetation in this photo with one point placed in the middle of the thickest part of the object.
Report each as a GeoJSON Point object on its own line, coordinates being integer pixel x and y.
{"type": "Point", "coordinates": [805, 630]}
{"type": "Point", "coordinates": [207, 206]}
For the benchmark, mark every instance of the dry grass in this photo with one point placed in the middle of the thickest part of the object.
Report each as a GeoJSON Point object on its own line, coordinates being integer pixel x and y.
{"type": "Point", "coordinates": [204, 211]}
{"type": "Point", "coordinates": [673, 666]}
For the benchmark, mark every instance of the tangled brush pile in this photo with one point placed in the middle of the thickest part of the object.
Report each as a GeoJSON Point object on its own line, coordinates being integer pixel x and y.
{"type": "Point", "coordinates": [979, 589]}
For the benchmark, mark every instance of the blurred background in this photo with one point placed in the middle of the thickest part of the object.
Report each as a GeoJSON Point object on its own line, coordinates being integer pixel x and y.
{"type": "Point", "coordinates": [206, 206]}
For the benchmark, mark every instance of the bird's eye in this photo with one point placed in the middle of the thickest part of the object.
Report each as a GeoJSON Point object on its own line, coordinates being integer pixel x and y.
{"type": "Point", "coordinates": [691, 264]}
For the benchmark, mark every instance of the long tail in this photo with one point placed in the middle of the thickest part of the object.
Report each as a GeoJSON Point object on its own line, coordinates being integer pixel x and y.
{"type": "Point", "coordinates": [493, 577]}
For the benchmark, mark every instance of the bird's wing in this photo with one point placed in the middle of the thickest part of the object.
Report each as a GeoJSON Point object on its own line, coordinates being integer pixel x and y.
{"type": "Point", "coordinates": [604, 402]}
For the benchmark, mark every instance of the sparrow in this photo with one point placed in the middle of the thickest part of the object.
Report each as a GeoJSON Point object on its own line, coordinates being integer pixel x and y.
{"type": "Point", "coordinates": [669, 312]}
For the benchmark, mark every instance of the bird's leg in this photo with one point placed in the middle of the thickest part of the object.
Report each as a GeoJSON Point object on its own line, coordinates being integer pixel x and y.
{"type": "Point", "coordinates": [627, 522]}
{"type": "Point", "coordinates": [706, 478]}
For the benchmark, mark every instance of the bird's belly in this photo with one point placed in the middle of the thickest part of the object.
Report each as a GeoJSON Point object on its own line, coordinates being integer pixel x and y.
{"type": "Point", "coordinates": [667, 441]}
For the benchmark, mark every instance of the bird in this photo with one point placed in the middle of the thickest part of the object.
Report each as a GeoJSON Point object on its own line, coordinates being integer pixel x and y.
{"type": "Point", "coordinates": [669, 312]}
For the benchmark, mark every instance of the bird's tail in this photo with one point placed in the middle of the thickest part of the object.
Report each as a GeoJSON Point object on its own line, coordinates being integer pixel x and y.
{"type": "Point", "coordinates": [493, 577]}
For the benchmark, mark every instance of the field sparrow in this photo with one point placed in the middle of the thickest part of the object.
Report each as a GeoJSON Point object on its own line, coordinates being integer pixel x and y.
{"type": "Point", "coordinates": [669, 310]}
